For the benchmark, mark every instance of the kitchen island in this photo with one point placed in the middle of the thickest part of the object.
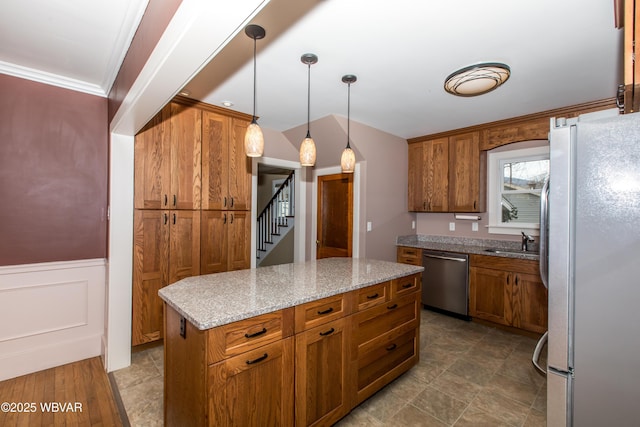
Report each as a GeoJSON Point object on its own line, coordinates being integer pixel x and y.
{"type": "Point", "coordinates": [293, 344]}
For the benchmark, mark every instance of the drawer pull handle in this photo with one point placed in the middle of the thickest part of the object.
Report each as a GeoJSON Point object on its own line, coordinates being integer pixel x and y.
{"type": "Point", "coordinates": [327, 311]}
{"type": "Point", "coordinates": [374, 296]}
{"type": "Point", "coordinates": [391, 347]}
{"type": "Point", "coordinates": [407, 285]}
{"type": "Point", "coordinates": [329, 332]}
{"type": "Point", "coordinates": [263, 331]}
{"type": "Point", "coordinates": [259, 359]}
{"type": "Point", "coordinates": [392, 307]}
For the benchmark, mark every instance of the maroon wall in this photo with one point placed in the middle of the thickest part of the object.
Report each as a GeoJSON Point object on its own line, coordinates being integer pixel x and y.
{"type": "Point", "coordinates": [53, 173]}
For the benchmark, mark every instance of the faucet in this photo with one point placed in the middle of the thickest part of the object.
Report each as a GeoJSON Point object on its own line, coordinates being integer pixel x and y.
{"type": "Point", "coordinates": [525, 240]}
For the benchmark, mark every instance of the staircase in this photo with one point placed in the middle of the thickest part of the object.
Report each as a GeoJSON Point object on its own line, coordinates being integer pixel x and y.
{"type": "Point", "coordinates": [276, 219]}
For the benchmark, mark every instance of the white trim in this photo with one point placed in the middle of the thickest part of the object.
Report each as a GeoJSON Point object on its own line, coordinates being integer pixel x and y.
{"type": "Point", "coordinates": [51, 266]}
{"type": "Point", "coordinates": [355, 244]}
{"type": "Point", "coordinates": [494, 177]}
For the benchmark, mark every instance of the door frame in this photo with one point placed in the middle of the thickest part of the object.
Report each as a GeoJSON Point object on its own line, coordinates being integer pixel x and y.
{"type": "Point", "coordinates": [355, 243]}
{"type": "Point", "coordinates": [299, 229]}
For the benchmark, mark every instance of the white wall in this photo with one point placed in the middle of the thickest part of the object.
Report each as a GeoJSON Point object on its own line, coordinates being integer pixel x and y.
{"type": "Point", "coordinates": [53, 314]}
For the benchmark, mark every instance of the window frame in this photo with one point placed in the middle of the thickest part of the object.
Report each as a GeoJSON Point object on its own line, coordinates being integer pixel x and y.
{"type": "Point", "coordinates": [495, 161]}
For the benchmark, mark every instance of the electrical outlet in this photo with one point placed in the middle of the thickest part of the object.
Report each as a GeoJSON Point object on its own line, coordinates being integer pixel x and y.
{"type": "Point", "coordinates": [413, 225]}
{"type": "Point", "coordinates": [474, 226]}
{"type": "Point", "coordinates": [368, 225]}
{"type": "Point", "coordinates": [452, 226]}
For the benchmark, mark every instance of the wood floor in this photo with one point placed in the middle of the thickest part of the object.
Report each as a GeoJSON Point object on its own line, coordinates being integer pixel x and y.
{"type": "Point", "coordinates": [77, 394]}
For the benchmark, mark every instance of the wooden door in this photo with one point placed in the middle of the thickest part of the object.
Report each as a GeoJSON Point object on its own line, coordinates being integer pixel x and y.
{"type": "Point", "coordinates": [150, 270]}
{"type": "Point", "coordinates": [464, 173]}
{"type": "Point", "coordinates": [322, 374]}
{"type": "Point", "coordinates": [254, 388]}
{"type": "Point", "coordinates": [239, 168]}
{"type": "Point", "coordinates": [152, 163]}
{"type": "Point", "coordinates": [184, 238]}
{"type": "Point", "coordinates": [335, 216]}
{"type": "Point", "coordinates": [239, 240]}
{"type": "Point", "coordinates": [214, 242]}
{"type": "Point", "coordinates": [436, 161]}
{"type": "Point", "coordinates": [489, 294]}
{"type": "Point", "coordinates": [531, 296]}
{"type": "Point", "coordinates": [416, 183]}
{"type": "Point", "coordinates": [215, 158]}
{"type": "Point", "coordinates": [186, 155]}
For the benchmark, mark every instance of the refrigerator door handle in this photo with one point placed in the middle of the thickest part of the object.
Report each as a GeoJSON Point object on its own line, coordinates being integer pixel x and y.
{"type": "Point", "coordinates": [544, 239]}
{"type": "Point", "coordinates": [535, 359]}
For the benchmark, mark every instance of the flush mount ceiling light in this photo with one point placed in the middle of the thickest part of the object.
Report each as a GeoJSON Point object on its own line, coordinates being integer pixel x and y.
{"type": "Point", "coordinates": [253, 139]}
{"type": "Point", "coordinates": [308, 147]}
{"type": "Point", "coordinates": [477, 79]}
{"type": "Point", "coordinates": [348, 158]}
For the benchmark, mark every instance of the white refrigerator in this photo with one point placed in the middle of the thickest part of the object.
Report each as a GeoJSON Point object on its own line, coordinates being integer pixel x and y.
{"type": "Point", "coordinates": [590, 238]}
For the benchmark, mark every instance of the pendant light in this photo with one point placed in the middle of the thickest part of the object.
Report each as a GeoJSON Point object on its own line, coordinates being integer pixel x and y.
{"type": "Point", "coordinates": [348, 159]}
{"type": "Point", "coordinates": [308, 147]}
{"type": "Point", "coordinates": [253, 138]}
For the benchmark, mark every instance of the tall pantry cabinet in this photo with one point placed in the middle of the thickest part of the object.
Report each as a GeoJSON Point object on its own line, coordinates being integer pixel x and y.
{"type": "Point", "coordinates": [188, 170]}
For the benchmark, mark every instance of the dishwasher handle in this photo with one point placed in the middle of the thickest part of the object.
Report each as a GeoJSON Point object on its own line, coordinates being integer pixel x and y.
{"type": "Point", "coordinates": [448, 258]}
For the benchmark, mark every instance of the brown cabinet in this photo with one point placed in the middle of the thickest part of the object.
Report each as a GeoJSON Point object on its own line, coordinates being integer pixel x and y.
{"type": "Point", "coordinates": [447, 174]}
{"type": "Point", "coordinates": [226, 170]}
{"type": "Point", "coordinates": [166, 249]}
{"type": "Point", "coordinates": [225, 241]}
{"type": "Point", "coordinates": [631, 69]}
{"type": "Point", "coordinates": [507, 291]}
{"type": "Point", "coordinates": [168, 161]}
{"type": "Point", "coordinates": [408, 255]}
{"type": "Point", "coordinates": [256, 372]}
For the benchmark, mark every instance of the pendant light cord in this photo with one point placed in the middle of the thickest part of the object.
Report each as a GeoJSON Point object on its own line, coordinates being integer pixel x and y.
{"type": "Point", "coordinates": [348, 113]}
{"type": "Point", "coordinates": [254, 79]}
{"type": "Point", "coordinates": [308, 99]}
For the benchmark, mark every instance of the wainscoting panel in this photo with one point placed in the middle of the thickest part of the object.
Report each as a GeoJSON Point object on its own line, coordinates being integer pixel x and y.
{"type": "Point", "coordinates": [50, 314]}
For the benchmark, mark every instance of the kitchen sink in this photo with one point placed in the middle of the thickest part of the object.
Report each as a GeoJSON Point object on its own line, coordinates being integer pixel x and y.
{"type": "Point", "coordinates": [510, 251]}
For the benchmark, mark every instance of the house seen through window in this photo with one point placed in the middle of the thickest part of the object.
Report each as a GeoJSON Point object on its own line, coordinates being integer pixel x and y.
{"type": "Point", "coordinates": [515, 180]}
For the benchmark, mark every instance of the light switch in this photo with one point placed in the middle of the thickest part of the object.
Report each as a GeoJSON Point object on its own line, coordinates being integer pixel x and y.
{"type": "Point", "coordinates": [368, 225]}
{"type": "Point", "coordinates": [452, 226]}
{"type": "Point", "coordinates": [413, 225]}
{"type": "Point", "coordinates": [474, 226]}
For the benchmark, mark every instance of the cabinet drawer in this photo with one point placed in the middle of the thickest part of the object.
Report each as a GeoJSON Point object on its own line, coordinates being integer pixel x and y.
{"type": "Point", "coordinates": [319, 312]}
{"type": "Point", "coordinates": [245, 335]}
{"type": "Point", "coordinates": [405, 285]}
{"type": "Point", "coordinates": [373, 295]}
{"type": "Point", "coordinates": [407, 255]}
{"type": "Point", "coordinates": [378, 320]}
{"type": "Point", "coordinates": [383, 355]}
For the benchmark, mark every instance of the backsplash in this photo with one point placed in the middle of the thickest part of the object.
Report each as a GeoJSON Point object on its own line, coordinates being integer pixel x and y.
{"type": "Point", "coordinates": [463, 241]}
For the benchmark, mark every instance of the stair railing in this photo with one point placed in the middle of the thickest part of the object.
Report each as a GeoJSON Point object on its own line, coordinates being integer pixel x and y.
{"type": "Point", "coordinates": [275, 214]}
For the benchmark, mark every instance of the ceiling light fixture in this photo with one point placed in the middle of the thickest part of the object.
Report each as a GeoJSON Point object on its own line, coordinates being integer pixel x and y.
{"type": "Point", "coordinates": [477, 79]}
{"type": "Point", "coordinates": [253, 139]}
{"type": "Point", "coordinates": [308, 147]}
{"type": "Point", "coordinates": [348, 158]}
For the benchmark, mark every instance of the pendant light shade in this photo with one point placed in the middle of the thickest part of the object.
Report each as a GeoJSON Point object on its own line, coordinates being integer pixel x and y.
{"type": "Point", "coordinates": [348, 158]}
{"type": "Point", "coordinates": [308, 147]}
{"type": "Point", "coordinates": [253, 138]}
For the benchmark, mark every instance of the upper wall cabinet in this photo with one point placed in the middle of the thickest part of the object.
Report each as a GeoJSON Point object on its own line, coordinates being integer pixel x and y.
{"type": "Point", "coordinates": [168, 160]}
{"type": "Point", "coordinates": [447, 175]}
{"type": "Point", "coordinates": [226, 171]}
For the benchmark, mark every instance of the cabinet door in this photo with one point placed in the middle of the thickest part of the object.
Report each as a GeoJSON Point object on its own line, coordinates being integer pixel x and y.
{"type": "Point", "coordinates": [436, 160]}
{"type": "Point", "coordinates": [239, 168]}
{"type": "Point", "coordinates": [186, 147]}
{"type": "Point", "coordinates": [239, 240]}
{"type": "Point", "coordinates": [322, 374]}
{"type": "Point", "coordinates": [150, 269]}
{"type": "Point", "coordinates": [214, 242]}
{"type": "Point", "coordinates": [254, 388]}
{"type": "Point", "coordinates": [215, 161]}
{"type": "Point", "coordinates": [531, 297]}
{"type": "Point", "coordinates": [416, 198]}
{"type": "Point", "coordinates": [152, 164]}
{"type": "Point", "coordinates": [184, 238]}
{"type": "Point", "coordinates": [464, 173]}
{"type": "Point", "coordinates": [489, 294]}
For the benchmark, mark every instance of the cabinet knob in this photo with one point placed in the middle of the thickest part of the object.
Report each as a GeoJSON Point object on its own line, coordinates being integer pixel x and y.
{"type": "Point", "coordinates": [259, 359]}
{"type": "Point", "coordinates": [256, 334]}
{"type": "Point", "coordinates": [165, 200]}
{"type": "Point", "coordinates": [374, 296]}
{"type": "Point", "coordinates": [327, 311]}
{"type": "Point", "coordinates": [232, 202]}
{"type": "Point", "coordinates": [224, 218]}
{"type": "Point", "coordinates": [391, 347]}
{"type": "Point", "coordinates": [175, 200]}
{"type": "Point", "coordinates": [391, 307]}
{"type": "Point", "coordinates": [224, 202]}
{"type": "Point", "coordinates": [329, 332]}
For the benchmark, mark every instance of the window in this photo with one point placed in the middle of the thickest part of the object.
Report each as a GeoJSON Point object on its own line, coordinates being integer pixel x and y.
{"type": "Point", "coordinates": [515, 181]}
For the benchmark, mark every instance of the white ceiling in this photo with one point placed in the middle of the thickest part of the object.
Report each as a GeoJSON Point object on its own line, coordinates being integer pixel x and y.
{"type": "Point", "coordinates": [560, 52]}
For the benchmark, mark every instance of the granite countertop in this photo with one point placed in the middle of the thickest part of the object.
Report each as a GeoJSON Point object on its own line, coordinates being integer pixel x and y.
{"type": "Point", "coordinates": [468, 246]}
{"type": "Point", "coordinates": [217, 299]}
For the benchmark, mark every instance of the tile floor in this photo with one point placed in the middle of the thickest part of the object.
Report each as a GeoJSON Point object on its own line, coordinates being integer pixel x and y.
{"type": "Point", "coordinates": [468, 375]}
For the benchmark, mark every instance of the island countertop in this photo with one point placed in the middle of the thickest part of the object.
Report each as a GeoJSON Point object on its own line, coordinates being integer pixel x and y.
{"type": "Point", "coordinates": [217, 299]}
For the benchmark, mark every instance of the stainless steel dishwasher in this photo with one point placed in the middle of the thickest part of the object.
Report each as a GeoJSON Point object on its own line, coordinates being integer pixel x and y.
{"type": "Point", "coordinates": [445, 282]}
